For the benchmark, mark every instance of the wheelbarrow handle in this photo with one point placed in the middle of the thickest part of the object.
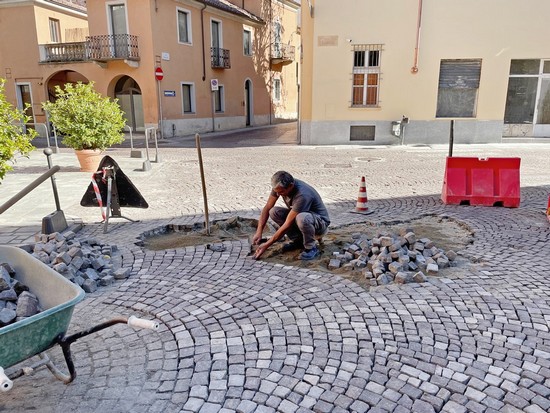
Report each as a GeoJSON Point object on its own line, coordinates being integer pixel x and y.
{"type": "Point", "coordinates": [5, 383]}
{"type": "Point", "coordinates": [65, 342]}
{"type": "Point", "coordinates": [137, 322]}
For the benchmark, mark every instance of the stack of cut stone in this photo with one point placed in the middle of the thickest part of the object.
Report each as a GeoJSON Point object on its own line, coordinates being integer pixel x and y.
{"type": "Point", "coordinates": [85, 261]}
{"type": "Point", "coordinates": [399, 258]}
{"type": "Point", "coordinates": [16, 301]}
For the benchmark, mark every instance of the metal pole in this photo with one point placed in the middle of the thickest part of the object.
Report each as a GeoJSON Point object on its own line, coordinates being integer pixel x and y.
{"type": "Point", "coordinates": [198, 144]}
{"type": "Point", "coordinates": [213, 112]}
{"type": "Point", "coordinates": [160, 110]}
{"type": "Point", "coordinates": [147, 133]}
{"type": "Point", "coordinates": [131, 138]}
{"type": "Point", "coordinates": [157, 157]}
{"type": "Point", "coordinates": [451, 138]}
{"type": "Point", "coordinates": [147, 162]}
{"type": "Point", "coordinates": [55, 139]}
{"type": "Point", "coordinates": [10, 202]}
{"type": "Point", "coordinates": [48, 152]}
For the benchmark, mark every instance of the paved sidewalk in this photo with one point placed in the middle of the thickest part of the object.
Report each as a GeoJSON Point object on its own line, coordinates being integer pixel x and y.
{"type": "Point", "coordinates": [248, 336]}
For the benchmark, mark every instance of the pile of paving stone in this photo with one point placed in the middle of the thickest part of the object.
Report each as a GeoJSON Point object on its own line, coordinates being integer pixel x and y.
{"type": "Point", "coordinates": [16, 301]}
{"type": "Point", "coordinates": [84, 261]}
{"type": "Point", "coordinates": [399, 258]}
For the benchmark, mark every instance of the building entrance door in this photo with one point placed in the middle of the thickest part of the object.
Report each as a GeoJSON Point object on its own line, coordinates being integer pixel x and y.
{"type": "Point", "coordinates": [24, 101]}
{"type": "Point", "coordinates": [128, 93]}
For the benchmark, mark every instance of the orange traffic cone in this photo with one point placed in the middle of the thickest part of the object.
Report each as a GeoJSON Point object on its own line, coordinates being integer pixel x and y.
{"type": "Point", "coordinates": [362, 199]}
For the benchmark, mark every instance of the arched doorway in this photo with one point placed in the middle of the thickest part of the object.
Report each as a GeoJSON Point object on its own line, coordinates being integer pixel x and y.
{"type": "Point", "coordinates": [128, 93]}
{"type": "Point", "coordinates": [248, 101]}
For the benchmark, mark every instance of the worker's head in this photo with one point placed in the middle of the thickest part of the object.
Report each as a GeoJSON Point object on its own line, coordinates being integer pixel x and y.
{"type": "Point", "coordinates": [282, 182]}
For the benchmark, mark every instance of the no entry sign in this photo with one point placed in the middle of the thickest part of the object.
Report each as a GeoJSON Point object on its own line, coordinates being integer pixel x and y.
{"type": "Point", "coordinates": [159, 74]}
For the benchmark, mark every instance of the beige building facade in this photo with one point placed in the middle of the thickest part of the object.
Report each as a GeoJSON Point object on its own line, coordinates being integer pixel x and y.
{"type": "Point", "coordinates": [185, 65]}
{"type": "Point", "coordinates": [404, 71]}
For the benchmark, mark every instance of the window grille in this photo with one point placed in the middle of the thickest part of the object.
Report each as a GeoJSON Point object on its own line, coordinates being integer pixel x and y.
{"type": "Point", "coordinates": [366, 75]}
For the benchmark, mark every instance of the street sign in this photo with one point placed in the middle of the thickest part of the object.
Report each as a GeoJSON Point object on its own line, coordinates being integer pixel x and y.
{"type": "Point", "coordinates": [170, 93]}
{"type": "Point", "coordinates": [214, 84]}
{"type": "Point", "coordinates": [159, 74]}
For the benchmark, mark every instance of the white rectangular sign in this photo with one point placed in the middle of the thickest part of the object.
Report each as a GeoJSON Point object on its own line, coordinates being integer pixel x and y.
{"type": "Point", "coordinates": [214, 84]}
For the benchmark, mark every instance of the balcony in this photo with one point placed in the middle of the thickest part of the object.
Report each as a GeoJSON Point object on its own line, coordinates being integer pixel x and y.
{"type": "Point", "coordinates": [282, 53]}
{"type": "Point", "coordinates": [112, 47]}
{"type": "Point", "coordinates": [63, 52]}
{"type": "Point", "coordinates": [219, 58]}
{"type": "Point", "coordinates": [95, 48]}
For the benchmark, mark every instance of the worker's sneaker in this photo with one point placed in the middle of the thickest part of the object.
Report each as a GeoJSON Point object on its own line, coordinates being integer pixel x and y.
{"type": "Point", "coordinates": [291, 246]}
{"type": "Point", "coordinates": [310, 254]}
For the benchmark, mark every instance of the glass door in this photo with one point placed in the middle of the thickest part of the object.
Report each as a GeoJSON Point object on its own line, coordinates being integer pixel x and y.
{"type": "Point", "coordinates": [119, 30]}
{"type": "Point", "coordinates": [216, 44]}
{"type": "Point", "coordinates": [24, 102]}
{"type": "Point", "coordinates": [542, 123]}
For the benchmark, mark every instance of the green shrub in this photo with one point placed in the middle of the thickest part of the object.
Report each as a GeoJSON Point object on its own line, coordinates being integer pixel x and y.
{"type": "Point", "coordinates": [13, 139]}
{"type": "Point", "coordinates": [86, 119]}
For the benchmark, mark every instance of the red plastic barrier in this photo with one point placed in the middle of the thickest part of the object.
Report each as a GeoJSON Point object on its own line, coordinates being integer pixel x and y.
{"type": "Point", "coordinates": [482, 181]}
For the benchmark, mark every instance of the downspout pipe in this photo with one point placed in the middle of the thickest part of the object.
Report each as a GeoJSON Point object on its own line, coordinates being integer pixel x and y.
{"type": "Point", "coordinates": [271, 106]}
{"type": "Point", "coordinates": [414, 68]}
{"type": "Point", "coordinates": [202, 39]}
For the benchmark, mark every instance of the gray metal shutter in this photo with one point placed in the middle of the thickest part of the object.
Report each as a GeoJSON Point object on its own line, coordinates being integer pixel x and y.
{"type": "Point", "coordinates": [460, 74]}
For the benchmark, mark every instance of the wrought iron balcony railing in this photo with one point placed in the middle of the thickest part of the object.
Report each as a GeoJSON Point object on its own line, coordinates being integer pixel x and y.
{"type": "Point", "coordinates": [97, 48]}
{"type": "Point", "coordinates": [282, 53]}
{"type": "Point", "coordinates": [112, 46]}
{"type": "Point", "coordinates": [220, 58]}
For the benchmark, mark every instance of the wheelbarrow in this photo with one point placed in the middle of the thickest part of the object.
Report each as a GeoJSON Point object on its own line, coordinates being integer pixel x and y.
{"type": "Point", "coordinates": [34, 335]}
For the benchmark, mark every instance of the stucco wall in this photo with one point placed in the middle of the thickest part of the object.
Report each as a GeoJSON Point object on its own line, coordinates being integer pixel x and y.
{"type": "Point", "coordinates": [494, 31]}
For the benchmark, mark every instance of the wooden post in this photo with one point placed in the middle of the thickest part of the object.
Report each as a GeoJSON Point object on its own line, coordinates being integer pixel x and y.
{"type": "Point", "coordinates": [207, 223]}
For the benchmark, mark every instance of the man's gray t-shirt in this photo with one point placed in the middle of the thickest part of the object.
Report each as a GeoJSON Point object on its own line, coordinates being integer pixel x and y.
{"type": "Point", "coordinates": [304, 198]}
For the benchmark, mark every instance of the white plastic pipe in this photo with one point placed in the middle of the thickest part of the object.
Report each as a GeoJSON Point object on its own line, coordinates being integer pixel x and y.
{"type": "Point", "coordinates": [5, 383]}
{"type": "Point", "coordinates": [136, 322]}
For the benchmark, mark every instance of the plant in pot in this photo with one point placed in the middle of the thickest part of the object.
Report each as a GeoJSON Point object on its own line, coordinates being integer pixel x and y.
{"type": "Point", "coordinates": [13, 139]}
{"type": "Point", "coordinates": [89, 122]}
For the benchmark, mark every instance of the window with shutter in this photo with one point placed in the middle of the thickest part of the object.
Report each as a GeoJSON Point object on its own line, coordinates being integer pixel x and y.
{"type": "Point", "coordinates": [458, 88]}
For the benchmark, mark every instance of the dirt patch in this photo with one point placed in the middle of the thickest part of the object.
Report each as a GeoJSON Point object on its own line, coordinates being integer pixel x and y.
{"type": "Point", "coordinates": [446, 234]}
{"type": "Point", "coordinates": [180, 236]}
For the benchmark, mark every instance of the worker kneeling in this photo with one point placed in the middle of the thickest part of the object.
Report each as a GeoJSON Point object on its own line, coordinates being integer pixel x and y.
{"type": "Point", "coordinates": [304, 218]}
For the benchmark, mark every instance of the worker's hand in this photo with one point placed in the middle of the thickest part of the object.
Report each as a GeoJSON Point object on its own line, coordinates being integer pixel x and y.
{"type": "Point", "coordinates": [256, 239]}
{"type": "Point", "coordinates": [261, 249]}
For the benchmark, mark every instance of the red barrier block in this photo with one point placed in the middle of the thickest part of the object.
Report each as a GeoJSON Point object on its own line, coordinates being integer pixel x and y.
{"type": "Point", "coordinates": [482, 181]}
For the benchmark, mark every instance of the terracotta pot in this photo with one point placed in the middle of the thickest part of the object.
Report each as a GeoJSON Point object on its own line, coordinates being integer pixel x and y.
{"type": "Point", "coordinates": [89, 159]}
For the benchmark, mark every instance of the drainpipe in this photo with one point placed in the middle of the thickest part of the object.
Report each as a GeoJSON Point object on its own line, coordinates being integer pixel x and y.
{"type": "Point", "coordinates": [270, 68]}
{"type": "Point", "coordinates": [202, 38]}
{"type": "Point", "coordinates": [414, 68]}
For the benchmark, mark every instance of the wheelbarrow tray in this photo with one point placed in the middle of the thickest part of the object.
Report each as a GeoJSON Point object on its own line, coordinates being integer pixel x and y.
{"type": "Point", "coordinates": [57, 297]}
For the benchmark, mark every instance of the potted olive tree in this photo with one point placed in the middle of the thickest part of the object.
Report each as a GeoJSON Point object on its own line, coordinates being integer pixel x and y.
{"type": "Point", "coordinates": [89, 122]}
{"type": "Point", "coordinates": [13, 139]}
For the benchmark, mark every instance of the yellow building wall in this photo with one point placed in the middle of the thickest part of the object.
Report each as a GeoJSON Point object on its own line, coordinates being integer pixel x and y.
{"type": "Point", "coordinates": [42, 20]}
{"type": "Point", "coordinates": [495, 31]}
{"type": "Point", "coordinates": [19, 57]}
{"type": "Point", "coordinates": [287, 15]}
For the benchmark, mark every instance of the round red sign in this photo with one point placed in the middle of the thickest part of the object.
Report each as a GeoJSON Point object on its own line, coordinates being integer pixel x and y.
{"type": "Point", "coordinates": [159, 74]}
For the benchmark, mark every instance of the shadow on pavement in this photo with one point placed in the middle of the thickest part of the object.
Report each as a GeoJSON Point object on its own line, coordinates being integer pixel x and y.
{"type": "Point", "coordinates": [278, 134]}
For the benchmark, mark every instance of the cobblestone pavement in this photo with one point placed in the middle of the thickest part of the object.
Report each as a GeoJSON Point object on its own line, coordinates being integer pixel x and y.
{"type": "Point", "coordinates": [249, 336]}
